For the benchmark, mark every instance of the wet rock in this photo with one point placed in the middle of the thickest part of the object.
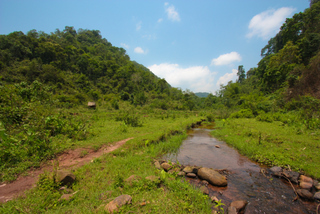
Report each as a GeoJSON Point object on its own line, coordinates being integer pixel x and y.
{"type": "Point", "coordinates": [239, 205]}
{"type": "Point", "coordinates": [166, 166]}
{"type": "Point", "coordinates": [191, 175]}
{"type": "Point", "coordinates": [157, 164]}
{"type": "Point", "coordinates": [212, 176]}
{"type": "Point", "coordinates": [132, 179]}
{"type": "Point", "coordinates": [304, 178]}
{"type": "Point", "coordinates": [65, 178]}
{"type": "Point", "coordinates": [276, 170]}
{"type": "Point", "coordinates": [303, 193]}
{"type": "Point", "coordinates": [232, 210]}
{"type": "Point", "coordinates": [188, 169]}
{"type": "Point", "coordinates": [292, 176]}
{"type": "Point", "coordinates": [305, 185]}
{"type": "Point", "coordinates": [204, 190]}
{"type": "Point", "coordinates": [317, 196]}
{"type": "Point", "coordinates": [118, 202]}
{"type": "Point", "coordinates": [217, 146]}
{"type": "Point", "coordinates": [153, 178]}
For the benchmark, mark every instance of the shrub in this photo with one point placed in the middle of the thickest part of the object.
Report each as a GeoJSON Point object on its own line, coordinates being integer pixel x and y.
{"type": "Point", "coordinates": [243, 113]}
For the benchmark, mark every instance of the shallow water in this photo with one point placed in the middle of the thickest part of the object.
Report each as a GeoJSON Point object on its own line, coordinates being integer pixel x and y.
{"type": "Point", "coordinates": [265, 194]}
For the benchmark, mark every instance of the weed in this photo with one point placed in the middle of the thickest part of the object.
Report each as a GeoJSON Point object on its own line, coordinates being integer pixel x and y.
{"type": "Point", "coordinates": [83, 153]}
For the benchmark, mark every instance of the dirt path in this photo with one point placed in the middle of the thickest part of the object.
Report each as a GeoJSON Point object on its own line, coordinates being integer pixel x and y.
{"type": "Point", "coordinates": [69, 159]}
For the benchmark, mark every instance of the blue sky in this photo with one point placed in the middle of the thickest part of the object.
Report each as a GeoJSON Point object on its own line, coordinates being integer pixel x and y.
{"type": "Point", "coordinates": [195, 45]}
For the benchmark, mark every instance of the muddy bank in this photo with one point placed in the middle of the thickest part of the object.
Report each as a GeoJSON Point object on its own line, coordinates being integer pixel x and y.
{"type": "Point", "coordinates": [247, 180]}
{"type": "Point", "coordinates": [69, 159]}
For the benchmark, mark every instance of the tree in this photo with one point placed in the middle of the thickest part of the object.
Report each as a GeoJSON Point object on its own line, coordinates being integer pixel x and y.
{"type": "Point", "coordinates": [241, 74]}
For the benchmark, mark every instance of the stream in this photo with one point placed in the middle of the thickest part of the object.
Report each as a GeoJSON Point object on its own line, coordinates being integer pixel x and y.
{"type": "Point", "coordinates": [265, 194]}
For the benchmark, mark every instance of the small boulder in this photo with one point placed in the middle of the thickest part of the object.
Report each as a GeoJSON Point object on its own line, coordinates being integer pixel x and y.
{"type": "Point", "coordinates": [212, 176]}
{"type": "Point", "coordinates": [188, 169]}
{"type": "Point", "coordinates": [166, 166]}
{"type": "Point", "coordinates": [153, 178]}
{"type": "Point", "coordinates": [66, 197]}
{"type": "Point", "coordinates": [276, 171]}
{"type": "Point", "coordinates": [239, 205]}
{"type": "Point", "coordinates": [174, 170]}
{"type": "Point", "coordinates": [131, 179]}
{"type": "Point", "coordinates": [65, 178]}
{"type": "Point", "coordinates": [317, 187]}
{"type": "Point", "coordinates": [191, 175]}
{"type": "Point", "coordinates": [204, 182]}
{"type": "Point", "coordinates": [217, 146]}
{"type": "Point", "coordinates": [118, 202]}
{"type": "Point", "coordinates": [232, 210]}
{"type": "Point", "coordinates": [317, 196]}
{"type": "Point", "coordinates": [304, 178]}
{"type": "Point", "coordinates": [214, 199]}
{"type": "Point", "coordinates": [204, 190]}
{"type": "Point", "coordinates": [157, 164]}
{"type": "Point", "coordinates": [303, 193]}
{"type": "Point", "coordinates": [181, 173]}
{"type": "Point", "coordinates": [292, 176]}
{"type": "Point", "coordinates": [305, 185]}
{"type": "Point", "coordinates": [92, 105]}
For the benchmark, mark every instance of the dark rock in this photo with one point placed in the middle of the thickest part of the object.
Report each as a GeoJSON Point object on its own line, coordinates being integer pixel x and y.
{"type": "Point", "coordinates": [239, 205]}
{"type": "Point", "coordinates": [292, 176]}
{"type": "Point", "coordinates": [232, 210]}
{"type": "Point", "coordinates": [212, 176]}
{"type": "Point", "coordinates": [276, 170]}
{"type": "Point", "coordinates": [303, 193]}
{"type": "Point", "coordinates": [191, 175]}
{"type": "Point", "coordinates": [204, 190]}
{"type": "Point", "coordinates": [118, 202]}
{"type": "Point", "coordinates": [65, 178]}
{"type": "Point", "coordinates": [317, 196]}
{"type": "Point", "coordinates": [166, 166]}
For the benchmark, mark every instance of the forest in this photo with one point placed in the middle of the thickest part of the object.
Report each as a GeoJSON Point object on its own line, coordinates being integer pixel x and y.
{"type": "Point", "coordinates": [46, 81]}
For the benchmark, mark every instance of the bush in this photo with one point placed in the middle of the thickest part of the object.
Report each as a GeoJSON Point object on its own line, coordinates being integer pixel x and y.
{"type": "Point", "coordinates": [243, 113]}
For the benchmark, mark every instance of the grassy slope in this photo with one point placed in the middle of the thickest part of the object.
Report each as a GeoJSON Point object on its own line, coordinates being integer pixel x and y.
{"type": "Point", "coordinates": [102, 180]}
{"type": "Point", "coordinates": [279, 145]}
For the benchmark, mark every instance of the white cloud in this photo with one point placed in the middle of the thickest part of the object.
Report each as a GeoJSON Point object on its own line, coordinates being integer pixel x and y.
{"type": "Point", "coordinates": [226, 59]}
{"type": "Point", "coordinates": [138, 26]}
{"type": "Point", "coordinates": [268, 23]}
{"type": "Point", "coordinates": [160, 20]}
{"type": "Point", "coordinates": [139, 50]}
{"type": "Point", "coordinates": [195, 78]}
{"type": "Point", "coordinates": [227, 77]}
{"type": "Point", "coordinates": [125, 45]}
{"type": "Point", "coordinates": [173, 15]}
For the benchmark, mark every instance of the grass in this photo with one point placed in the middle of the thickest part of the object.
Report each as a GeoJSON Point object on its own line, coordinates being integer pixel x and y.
{"type": "Point", "coordinates": [273, 143]}
{"type": "Point", "coordinates": [103, 179]}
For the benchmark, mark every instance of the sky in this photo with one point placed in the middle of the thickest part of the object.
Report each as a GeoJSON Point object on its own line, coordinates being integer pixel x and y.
{"type": "Point", "coordinates": [193, 45]}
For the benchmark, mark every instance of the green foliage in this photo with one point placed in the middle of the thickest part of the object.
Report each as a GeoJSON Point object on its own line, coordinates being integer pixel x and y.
{"type": "Point", "coordinates": [130, 118]}
{"type": "Point", "coordinates": [243, 113]}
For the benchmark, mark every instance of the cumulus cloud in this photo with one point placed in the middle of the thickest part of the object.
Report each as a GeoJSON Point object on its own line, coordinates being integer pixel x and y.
{"type": "Point", "coordinates": [139, 50]}
{"type": "Point", "coordinates": [227, 77]}
{"type": "Point", "coordinates": [268, 23]}
{"type": "Point", "coordinates": [226, 59]}
{"type": "Point", "coordinates": [195, 78]}
{"type": "Point", "coordinates": [173, 15]}
{"type": "Point", "coordinates": [125, 45]}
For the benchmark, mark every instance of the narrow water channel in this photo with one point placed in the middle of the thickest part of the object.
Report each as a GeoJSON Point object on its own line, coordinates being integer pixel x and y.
{"type": "Point", "coordinates": [245, 180]}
